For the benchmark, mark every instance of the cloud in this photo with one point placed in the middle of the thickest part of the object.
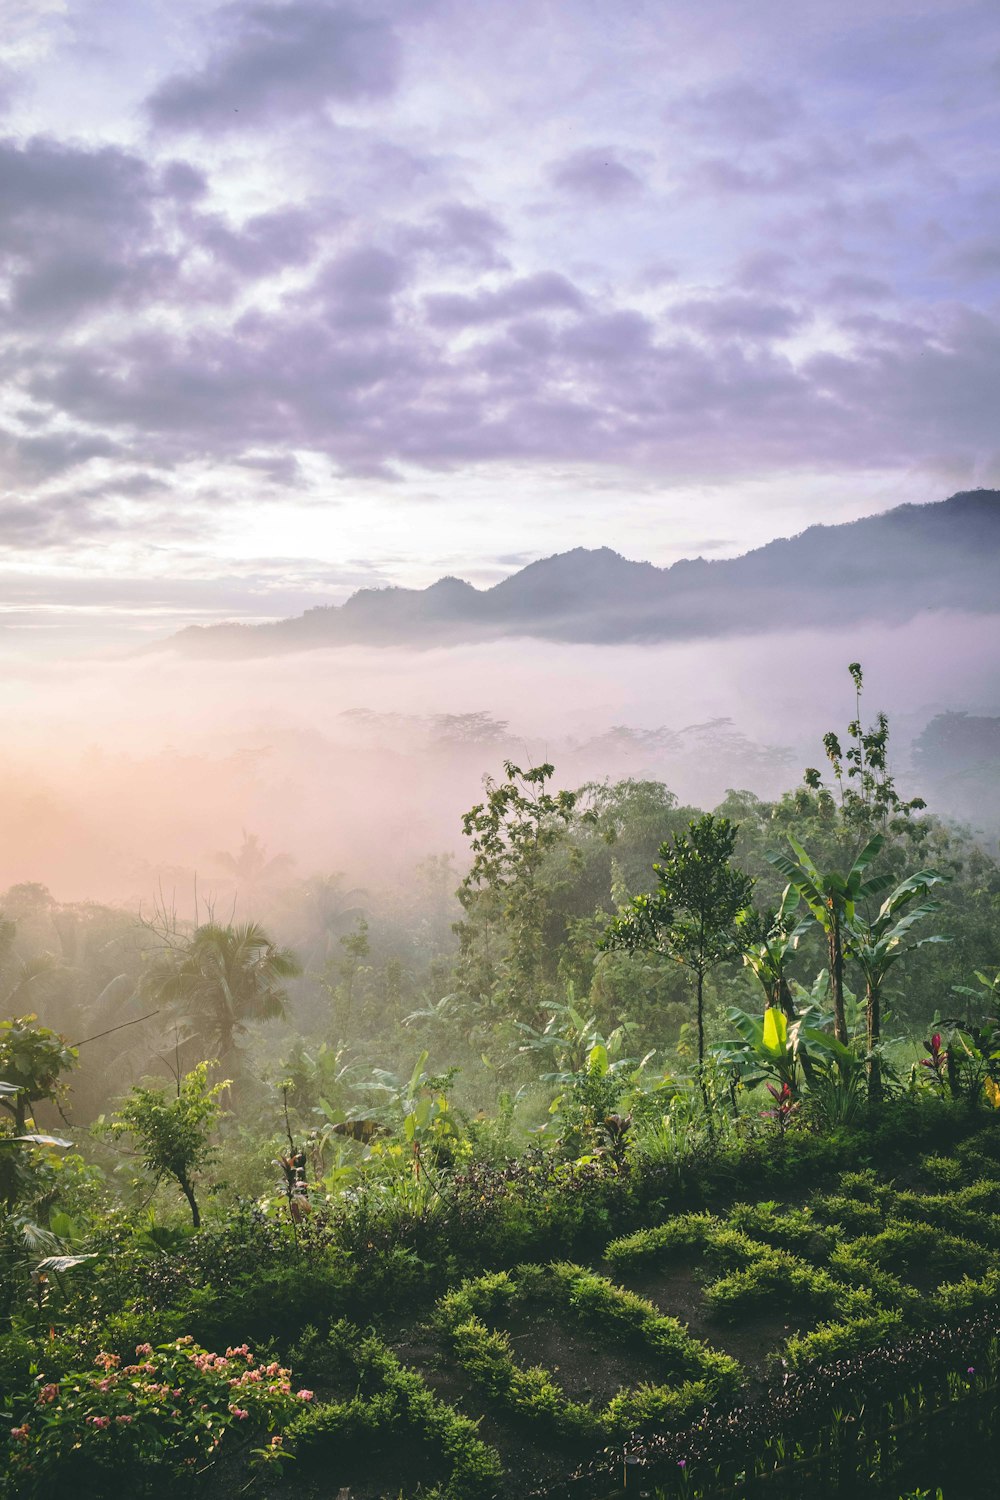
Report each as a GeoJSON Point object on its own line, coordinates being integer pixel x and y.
{"type": "Point", "coordinates": [737, 110]}
{"type": "Point", "coordinates": [43, 456]}
{"type": "Point", "coordinates": [979, 260]}
{"type": "Point", "coordinates": [855, 286]}
{"type": "Point", "coordinates": [265, 242]}
{"type": "Point", "coordinates": [738, 317]}
{"type": "Point", "coordinates": [545, 291]}
{"type": "Point", "coordinates": [81, 228]}
{"type": "Point", "coordinates": [816, 165]}
{"type": "Point", "coordinates": [51, 522]}
{"type": "Point", "coordinates": [460, 233]}
{"type": "Point", "coordinates": [595, 172]}
{"type": "Point", "coordinates": [280, 60]}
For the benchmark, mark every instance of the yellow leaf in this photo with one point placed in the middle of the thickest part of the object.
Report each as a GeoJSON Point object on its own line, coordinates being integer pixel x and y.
{"type": "Point", "coordinates": [993, 1092]}
{"type": "Point", "coordinates": [775, 1029]}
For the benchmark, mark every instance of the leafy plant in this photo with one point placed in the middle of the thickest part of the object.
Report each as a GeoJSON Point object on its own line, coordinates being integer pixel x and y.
{"type": "Point", "coordinates": [692, 915]}
{"type": "Point", "coordinates": [173, 1133]}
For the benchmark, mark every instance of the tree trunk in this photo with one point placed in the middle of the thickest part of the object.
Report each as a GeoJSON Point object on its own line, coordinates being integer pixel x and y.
{"type": "Point", "coordinates": [701, 1044]}
{"type": "Point", "coordinates": [188, 1192]}
{"type": "Point", "coordinates": [837, 982]}
{"type": "Point", "coordinates": [873, 1006]}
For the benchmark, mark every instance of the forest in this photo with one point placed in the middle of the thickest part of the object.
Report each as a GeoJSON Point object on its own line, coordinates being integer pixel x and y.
{"type": "Point", "coordinates": [647, 1149]}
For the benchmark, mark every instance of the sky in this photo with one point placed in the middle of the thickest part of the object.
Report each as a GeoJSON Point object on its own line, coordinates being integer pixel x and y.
{"type": "Point", "coordinates": [299, 297]}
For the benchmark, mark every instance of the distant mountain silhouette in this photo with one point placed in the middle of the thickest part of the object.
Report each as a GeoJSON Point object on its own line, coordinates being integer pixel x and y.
{"type": "Point", "coordinates": [885, 567]}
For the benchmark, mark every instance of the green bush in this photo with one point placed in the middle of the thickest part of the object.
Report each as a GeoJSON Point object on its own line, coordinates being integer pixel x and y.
{"type": "Point", "coordinates": [487, 1358]}
{"type": "Point", "coordinates": [392, 1405]}
{"type": "Point", "coordinates": [832, 1341]}
{"type": "Point", "coordinates": [795, 1229]}
{"type": "Point", "coordinates": [781, 1284]}
{"type": "Point", "coordinates": [680, 1238]}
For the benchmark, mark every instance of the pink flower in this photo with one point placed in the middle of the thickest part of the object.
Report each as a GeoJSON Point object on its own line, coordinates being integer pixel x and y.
{"type": "Point", "coordinates": [304, 1395]}
{"type": "Point", "coordinates": [20, 1434]}
{"type": "Point", "coordinates": [143, 1348]}
{"type": "Point", "coordinates": [102, 1422]}
{"type": "Point", "coordinates": [239, 1413]}
{"type": "Point", "coordinates": [276, 1442]}
{"type": "Point", "coordinates": [123, 1421]}
{"type": "Point", "coordinates": [48, 1393]}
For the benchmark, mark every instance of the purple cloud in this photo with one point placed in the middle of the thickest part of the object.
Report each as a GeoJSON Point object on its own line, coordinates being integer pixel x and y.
{"type": "Point", "coordinates": [739, 317]}
{"type": "Point", "coordinates": [738, 110]}
{"type": "Point", "coordinates": [544, 291]}
{"type": "Point", "coordinates": [594, 172]}
{"type": "Point", "coordinates": [282, 60]}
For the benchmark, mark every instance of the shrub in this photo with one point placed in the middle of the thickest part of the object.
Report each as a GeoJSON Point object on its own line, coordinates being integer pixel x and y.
{"type": "Point", "coordinates": [779, 1283]}
{"type": "Point", "coordinates": [680, 1238]}
{"type": "Point", "coordinates": [487, 1357]}
{"type": "Point", "coordinates": [392, 1404]}
{"type": "Point", "coordinates": [795, 1229]}
{"type": "Point", "coordinates": [833, 1341]}
{"type": "Point", "coordinates": [97, 1431]}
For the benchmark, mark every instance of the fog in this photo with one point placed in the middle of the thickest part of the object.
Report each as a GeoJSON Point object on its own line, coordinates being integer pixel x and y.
{"type": "Point", "coordinates": [120, 777]}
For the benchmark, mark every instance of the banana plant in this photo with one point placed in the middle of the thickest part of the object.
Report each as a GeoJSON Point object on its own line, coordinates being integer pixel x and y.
{"type": "Point", "coordinates": [766, 939]}
{"type": "Point", "coordinates": [771, 1047]}
{"type": "Point", "coordinates": [877, 945]}
{"type": "Point", "coordinates": [833, 900]}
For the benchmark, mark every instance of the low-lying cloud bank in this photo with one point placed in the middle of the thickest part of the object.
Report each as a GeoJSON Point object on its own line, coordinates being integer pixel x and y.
{"type": "Point", "coordinates": [121, 776]}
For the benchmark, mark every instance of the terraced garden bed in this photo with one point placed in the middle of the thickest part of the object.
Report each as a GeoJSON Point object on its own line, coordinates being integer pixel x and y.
{"type": "Point", "coordinates": [520, 1378]}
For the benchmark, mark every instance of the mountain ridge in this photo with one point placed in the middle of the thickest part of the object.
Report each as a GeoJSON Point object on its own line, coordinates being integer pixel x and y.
{"type": "Point", "coordinates": [890, 566]}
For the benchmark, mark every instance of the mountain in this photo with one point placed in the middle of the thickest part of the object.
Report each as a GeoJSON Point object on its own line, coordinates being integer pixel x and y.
{"type": "Point", "coordinates": [886, 567]}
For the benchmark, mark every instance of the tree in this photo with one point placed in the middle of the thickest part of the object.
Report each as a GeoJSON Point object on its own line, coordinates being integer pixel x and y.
{"type": "Point", "coordinates": [511, 833]}
{"type": "Point", "coordinates": [879, 944]}
{"type": "Point", "coordinates": [32, 1060]}
{"type": "Point", "coordinates": [868, 796]}
{"type": "Point", "coordinates": [172, 1134]}
{"type": "Point", "coordinates": [220, 981]}
{"type": "Point", "coordinates": [692, 915]}
{"type": "Point", "coordinates": [251, 870]}
{"type": "Point", "coordinates": [833, 901]}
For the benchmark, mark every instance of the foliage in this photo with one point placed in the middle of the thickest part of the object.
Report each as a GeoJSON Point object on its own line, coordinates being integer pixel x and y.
{"type": "Point", "coordinates": [867, 789]}
{"type": "Point", "coordinates": [692, 915]}
{"type": "Point", "coordinates": [174, 1412]}
{"type": "Point", "coordinates": [510, 834]}
{"type": "Point", "coordinates": [173, 1134]}
{"type": "Point", "coordinates": [33, 1059]}
{"type": "Point", "coordinates": [219, 981]}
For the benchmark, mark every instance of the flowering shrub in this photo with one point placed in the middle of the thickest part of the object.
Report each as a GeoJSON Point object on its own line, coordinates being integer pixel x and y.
{"type": "Point", "coordinates": [174, 1408]}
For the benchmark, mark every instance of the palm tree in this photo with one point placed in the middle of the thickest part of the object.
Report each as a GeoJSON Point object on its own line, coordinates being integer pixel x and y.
{"type": "Point", "coordinates": [221, 981]}
{"type": "Point", "coordinates": [251, 871]}
{"type": "Point", "coordinates": [833, 900]}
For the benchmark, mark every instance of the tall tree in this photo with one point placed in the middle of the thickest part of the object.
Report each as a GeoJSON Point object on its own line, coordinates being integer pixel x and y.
{"type": "Point", "coordinates": [869, 801]}
{"type": "Point", "coordinates": [220, 981]}
{"type": "Point", "coordinates": [510, 834]}
{"type": "Point", "coordinates": [692, 914]}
